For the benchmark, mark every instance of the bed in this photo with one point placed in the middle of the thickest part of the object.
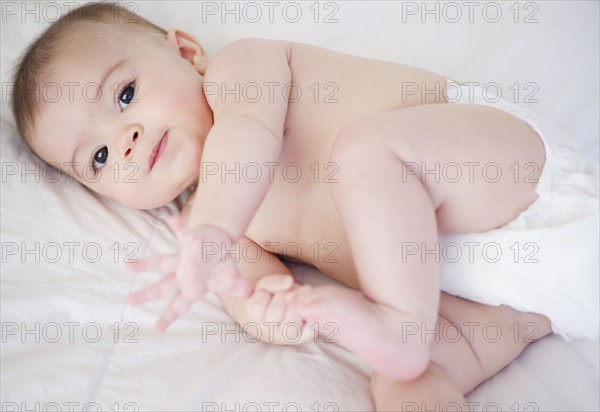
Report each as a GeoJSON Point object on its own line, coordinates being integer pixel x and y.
{"type": "Point", "coordinates": [69, 341]}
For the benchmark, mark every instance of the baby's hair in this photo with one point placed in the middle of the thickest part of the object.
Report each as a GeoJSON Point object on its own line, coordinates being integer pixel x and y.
{"type": "Point", "coordinates": [35, 62]}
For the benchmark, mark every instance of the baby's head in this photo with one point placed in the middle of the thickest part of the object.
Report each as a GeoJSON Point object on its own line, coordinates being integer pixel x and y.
{"type": "Point", "coordinates": [101, 88]}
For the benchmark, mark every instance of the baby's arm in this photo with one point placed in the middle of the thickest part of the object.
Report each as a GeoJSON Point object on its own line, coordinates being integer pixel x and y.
{"type": "Point", "coordinates": [265, 311]}
{"type": "Point", "coordinates": [244, 132]}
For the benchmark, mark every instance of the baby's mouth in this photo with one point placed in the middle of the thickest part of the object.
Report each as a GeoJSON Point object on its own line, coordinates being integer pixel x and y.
{"type": "Point", "coordinates": [158, 149]}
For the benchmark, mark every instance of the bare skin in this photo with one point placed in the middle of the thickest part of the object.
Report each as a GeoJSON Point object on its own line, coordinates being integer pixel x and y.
{"type": "Point", "coordinates": [462, 358]}
{"type": "Point", "coordinates": [357, 127]}
{"type": "Point", "coordinates": [387, 121]}
{"type": "Point", "coordinates": [384, 129]}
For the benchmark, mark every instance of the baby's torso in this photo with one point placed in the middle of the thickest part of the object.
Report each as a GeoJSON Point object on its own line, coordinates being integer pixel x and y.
{"type": "Point", "coordinates": [298, 218]}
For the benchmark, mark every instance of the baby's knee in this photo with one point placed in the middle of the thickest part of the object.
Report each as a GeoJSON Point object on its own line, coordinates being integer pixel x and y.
{"type": "Point", "coordinates": [351, 143]}
{"type": "Point", "coordinates": [432, 388]}
{"type": "Point", "coordinates": [364, 138]}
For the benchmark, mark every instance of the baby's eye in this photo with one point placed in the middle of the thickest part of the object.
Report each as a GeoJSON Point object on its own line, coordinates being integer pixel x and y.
{"type": "Point", "coordinates": [100, 158]}
{"type": "Point", "coordinates": [126, 95]}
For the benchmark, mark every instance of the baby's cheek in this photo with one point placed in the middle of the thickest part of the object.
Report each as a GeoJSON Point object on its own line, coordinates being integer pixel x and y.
{"type": "Point", "coordinates": [141, 195]}
{"type": "Point", "coordinates": [186, 169]}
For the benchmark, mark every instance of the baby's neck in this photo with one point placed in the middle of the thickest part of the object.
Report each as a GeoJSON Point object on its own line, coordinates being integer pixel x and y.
{"type": "Point", "coordinates": [183, 198]}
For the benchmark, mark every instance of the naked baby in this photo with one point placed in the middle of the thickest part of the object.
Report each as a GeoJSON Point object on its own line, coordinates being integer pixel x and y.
{"type": "Point", "coordinates": [360, 146]}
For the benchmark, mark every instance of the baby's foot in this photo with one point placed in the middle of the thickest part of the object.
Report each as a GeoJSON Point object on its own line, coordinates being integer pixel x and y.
{"type": "Point", "coordinates": [371, 331]}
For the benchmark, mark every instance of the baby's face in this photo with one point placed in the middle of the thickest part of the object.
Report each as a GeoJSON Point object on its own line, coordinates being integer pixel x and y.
{"type": "Point", "coordinates": [132, 116]}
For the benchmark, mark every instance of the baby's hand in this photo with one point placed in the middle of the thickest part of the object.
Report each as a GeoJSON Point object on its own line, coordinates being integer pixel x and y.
{"type": "Point", "coordinates": [267, 306]}
{"type": "Point", "coordinates": [198, 267]}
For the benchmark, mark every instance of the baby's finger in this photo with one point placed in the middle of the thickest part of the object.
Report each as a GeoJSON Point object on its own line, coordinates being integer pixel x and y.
{"type": "Point", "coordinates": [178, 306]}
{"type": "Point", "coordinates": [193, 269]}
{"type": "Point", "coordinates": [295, 329]}
{"type": "Point", "coordinates": [162, 289]}
{"type": "Point", "coordinates": [275, 283]}
{"type": "Point", "coordinates": [192, 275]}
{"type": "Point", "coordinates": [227, 279]}
{"type": "Point", "coordinates": [303, 297]}
{"type": "Point", "coordinates": [292, 295]}
{"type": "Point", "coordinates": [179, 227]}
{"type": "Point", "coordinates": [165, 263]}
{"type": "Point", "coordinates": [257, 304]}
{"type": "Point", "coordinates": [276, 309]}
{"type": "Point", "coordinates": [242, 288]}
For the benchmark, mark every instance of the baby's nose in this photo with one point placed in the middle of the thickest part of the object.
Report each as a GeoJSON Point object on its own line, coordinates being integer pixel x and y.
{"type": "Point", "coordinates": [128, 141]}
{"type": "Point", "coordinates": [128, 151]}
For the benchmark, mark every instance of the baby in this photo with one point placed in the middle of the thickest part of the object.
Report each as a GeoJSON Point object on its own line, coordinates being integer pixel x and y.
{"type": "Point", "coordinates": [290, 144]}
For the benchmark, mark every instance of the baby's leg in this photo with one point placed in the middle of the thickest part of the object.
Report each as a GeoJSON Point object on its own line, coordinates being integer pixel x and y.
{"type": "Point", "coordinates": [386, 204]}
{"type": "Point", "coordinates": [432, 391]}
{"type": "Point", "coordinates": [463, 356]}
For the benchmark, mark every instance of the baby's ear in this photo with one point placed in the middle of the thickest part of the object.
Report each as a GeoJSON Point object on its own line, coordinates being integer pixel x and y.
{"type": "Point", "coordinates": [189, 48]}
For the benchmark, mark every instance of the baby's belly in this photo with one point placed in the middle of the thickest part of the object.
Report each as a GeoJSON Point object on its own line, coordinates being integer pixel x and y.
{"type": "Point", "coordinates": [305, 228]}
{"type": "Point", "coordinates": [324, 244]}
{"type": "Point", "coordinates": [331, 256]}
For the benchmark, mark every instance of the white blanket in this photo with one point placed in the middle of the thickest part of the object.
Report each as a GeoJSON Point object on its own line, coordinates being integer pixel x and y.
{"type": "Point", "coordinates": [69, 342]}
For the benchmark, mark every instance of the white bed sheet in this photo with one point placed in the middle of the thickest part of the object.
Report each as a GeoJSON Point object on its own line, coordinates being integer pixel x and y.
{"type": "Point", "coordinates": [197, 364]}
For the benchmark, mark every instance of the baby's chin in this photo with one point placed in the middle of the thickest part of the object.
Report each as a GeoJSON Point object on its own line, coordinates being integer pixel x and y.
{"type": "Point", "coordinates": [147, 200]}
{"type": "Point", "coordinates": [164, 199]}
{"type": "Point", "coordinates": [165, 188]}
{"type": "Point", "coordinates": [164, 191]}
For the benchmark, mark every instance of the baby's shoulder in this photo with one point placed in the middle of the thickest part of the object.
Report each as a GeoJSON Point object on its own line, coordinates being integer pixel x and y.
{"type": "Point", "coordinates": [243, 74]}
{"type": "Point", "coordinates": [248, 55]}
{"type": "Point", "coordinates": [256, 56]}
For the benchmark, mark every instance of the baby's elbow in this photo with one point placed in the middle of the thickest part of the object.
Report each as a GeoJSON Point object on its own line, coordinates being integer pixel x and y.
{"type": "Point", "coordinates": [410, 365]}
{"type": "Point", "coordinates": [416, 369]}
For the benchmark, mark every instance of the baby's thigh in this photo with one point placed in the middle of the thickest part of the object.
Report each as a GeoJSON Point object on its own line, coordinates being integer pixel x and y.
{"type": "Point", "coordinates": [488, 163]}
{"type": "Point", "coordinates": [479, 164]}
{"type": "Point", "coordinates": [475, 341]}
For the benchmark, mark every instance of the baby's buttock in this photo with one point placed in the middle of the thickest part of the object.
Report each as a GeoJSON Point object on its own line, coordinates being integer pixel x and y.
{"type": "Point", "coordinates": [545, 259]}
